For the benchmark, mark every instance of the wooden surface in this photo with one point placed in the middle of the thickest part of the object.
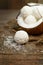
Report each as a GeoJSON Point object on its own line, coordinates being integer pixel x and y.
{"type": "Point", "coordinates": [16, 4]}
{"type": "Point", "coordinates": [6, 15]}
{"type": "Point", "coordinates": [34, 56]}
{"type": "Point", "coordinates": [3, 4]}
{"type": "Point", "coordinates": [20, 60]}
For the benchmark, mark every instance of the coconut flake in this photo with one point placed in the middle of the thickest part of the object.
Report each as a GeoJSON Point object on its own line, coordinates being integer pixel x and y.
{"type": "Point", "coordinates": [13, 45]}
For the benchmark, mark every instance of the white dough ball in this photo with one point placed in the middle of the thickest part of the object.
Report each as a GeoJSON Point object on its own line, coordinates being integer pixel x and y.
{"type": "Point", "coordinates": [21, 37]}
{"type": "Point", "coordinates": [26, 10]}
{"type": "Point", "coordinates": [30, 19]}
{"type": "Point", "coordinates": [36, 12]}
{"type": "Point", "coordinates": [40, 8]}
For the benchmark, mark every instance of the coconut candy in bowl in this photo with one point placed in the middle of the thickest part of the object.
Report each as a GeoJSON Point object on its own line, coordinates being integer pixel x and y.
{"type": "Point", "coordinates": [31, 18]}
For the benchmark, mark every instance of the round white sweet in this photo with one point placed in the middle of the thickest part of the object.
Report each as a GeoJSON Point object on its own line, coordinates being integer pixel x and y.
{"type": "Point", "coordinates": [21, 37]}
{"type": "Point", "coordinates": [26, 10]}
{"type": "Point", "coordinates": [40, 8]}
{"type": "Point", "coordinates": [36, 12]}
{"type": "Point", "coordinates": [30, 19]}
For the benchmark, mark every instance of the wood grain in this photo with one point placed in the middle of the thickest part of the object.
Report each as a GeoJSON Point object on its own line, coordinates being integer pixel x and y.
{"type": "Point", "coordinates": [7, 57]}
{"type": "Point", "coordinates": [21, 60]}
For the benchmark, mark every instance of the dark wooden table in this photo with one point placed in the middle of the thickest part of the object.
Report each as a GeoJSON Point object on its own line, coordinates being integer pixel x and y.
{"type": "Point", "coordinates": [34, 56]}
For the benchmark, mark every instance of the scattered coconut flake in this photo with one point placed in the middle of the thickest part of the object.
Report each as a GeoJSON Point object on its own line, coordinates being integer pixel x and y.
{"type": "Point", "coordinates": [9, 42]}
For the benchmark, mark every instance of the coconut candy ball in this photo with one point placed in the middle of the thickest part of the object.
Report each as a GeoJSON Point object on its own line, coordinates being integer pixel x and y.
{"type": "Point", "coordinates": [21, 37]}
{"type": "Point", "coordinates": [25, 11]}
{"type": "Point", "coordinates": [36, 12]}
{"type": "Point", "coordinates": [30, 19]}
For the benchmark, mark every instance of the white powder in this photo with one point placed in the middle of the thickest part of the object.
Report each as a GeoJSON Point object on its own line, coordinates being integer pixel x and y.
{"type": "Point", "coordinates": [9, 42]}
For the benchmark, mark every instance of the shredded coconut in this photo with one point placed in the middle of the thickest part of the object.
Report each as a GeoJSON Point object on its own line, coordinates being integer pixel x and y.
{"type": "Point", "coordinates": [9, 42]}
